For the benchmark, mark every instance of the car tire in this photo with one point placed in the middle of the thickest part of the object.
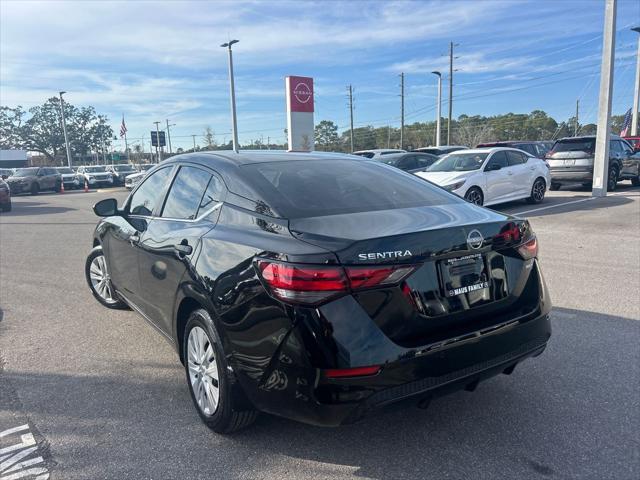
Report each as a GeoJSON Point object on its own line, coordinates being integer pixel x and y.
{"type": "Point", "coordinates": [6, 207]}
{"type": "Point", "coordinates": [537, 191]}
{"type": "Point", "coordinates": [635, 181]}
{"type": "Point", "coordinates": [223, 415]}
{"type": "Point", "coordinates": [554, 186]}
{"type": "Point", "coordinates": [35, 189]}
{"type": "Point", "coordinates": [57, 187]}
{"type": "Point", "coordinates": [95, 271]}
{"type": "Point", "coordinates": [612, 179]}
{"type": "Point", "coordinates": [474, 195]}
{"type": "Point", "coordinates": [587, 184]}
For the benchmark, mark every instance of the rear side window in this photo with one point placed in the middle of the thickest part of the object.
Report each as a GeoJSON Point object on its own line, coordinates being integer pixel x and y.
{"type": "Point", "coordinates": [212, 195]}
{"type": "Point", "coordinates": [314, 188]}
{"type": "Point", "coordinates": [185, 195]}
{"type": "Point", "coordinates": [146, 197]}
{"type": "Point", "coordinates": [515, 158]}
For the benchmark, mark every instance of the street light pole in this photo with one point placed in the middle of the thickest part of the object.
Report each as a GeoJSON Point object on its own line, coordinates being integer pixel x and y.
{"type": "Point", "coordinates": [232, 91]}
{"type": "Point", "coordinates": [438, 107]}
{"type": "Point", "coordinates": [601, 157]}
{"type": "Point", "coordinates": [158, 151]}
{"type": "Point", "coordinates": [636, 92]}
{"type": "Point", "coordinates": [64, 130]}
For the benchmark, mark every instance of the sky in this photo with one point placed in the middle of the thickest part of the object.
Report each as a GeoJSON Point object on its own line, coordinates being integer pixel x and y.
{"type": "Point", "coordinates": [158, 60]}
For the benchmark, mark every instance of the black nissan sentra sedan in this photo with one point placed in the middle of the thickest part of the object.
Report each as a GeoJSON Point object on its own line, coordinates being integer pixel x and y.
{"type": "Point", "coordinates": [319, 287]}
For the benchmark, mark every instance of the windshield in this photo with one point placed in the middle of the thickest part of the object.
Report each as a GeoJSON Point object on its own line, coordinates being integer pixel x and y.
{"type": "Point", "coordinates": [25, 172]}
{"type": "Point", "coordinates": [64, 170]}
{"type": "Point", "coordinates": [144, 168]}
{"type": "Point", "coordinates": [388, 159]}
{"type": "Point", "coordinates": [123, 168]}
{"type": "Point", "coordinates": [578, 145]}
{"type": "Point", "coordinates": [94, 169]}
{"type": "Point", "coordinates": [459, 162]}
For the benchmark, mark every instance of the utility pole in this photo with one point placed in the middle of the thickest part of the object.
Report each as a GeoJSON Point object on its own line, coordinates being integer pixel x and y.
{"type": "Point", "coordinates": [636, 92]}
{"type": "Point", "coordinates": [388, 136]}
{"type": "Point", "coordinates": [351, 114]}
{"type": "Point", "coordinates": [158, 150]}
{"type": "Point", "coordinates": [232, 91]}
{"type": "Point", "coordinates": [438, 107]}
{"type": "Point", "coordinates": [194, 142]}
{"type": "Point", "coordinates": [575, 127]}
{"type": "Point", "coordinates": [450, 92]}
{"type": "Point", "coordinates": [268, 142]}
{"type": "Point", "coordinates": [169, 134]}
{"type": "Point", "coordinates": [601, 161]}
{"type": "Point", "coordinates": [402, 110]}
{"type": "Point", "coordinates": [64, 130]}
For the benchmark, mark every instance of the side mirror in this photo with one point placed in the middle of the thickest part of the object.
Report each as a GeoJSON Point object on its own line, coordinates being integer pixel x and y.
{"type": "Point", "coordinates": [106, 208]}
{"type": "Point", "coordinates": [493, 166]}
{"type": "Point", "coordinates": [4, 177]}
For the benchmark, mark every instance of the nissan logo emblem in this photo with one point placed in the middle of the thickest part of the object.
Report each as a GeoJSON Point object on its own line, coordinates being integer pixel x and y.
{"type": "Point", "coordinates": [302, 92]}
{"type": "Point", "coordinates": [475, 239]}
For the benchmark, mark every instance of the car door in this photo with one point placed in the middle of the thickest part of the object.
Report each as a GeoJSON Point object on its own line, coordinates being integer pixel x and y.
{"type": "Point", "coordinates": [521, 174]}
{"type": "Point", "coordinates": [123, 236]}
{"type": "Point", "coordinates": [630, 160]}
{"type": "Point", "coordinates": [168, 247]}
{"type": "Point", "coordinates": [498, 181]}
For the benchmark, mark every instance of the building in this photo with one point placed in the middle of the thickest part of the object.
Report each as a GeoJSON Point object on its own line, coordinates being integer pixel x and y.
{"type": "Point", "coordinates": [13, 158]}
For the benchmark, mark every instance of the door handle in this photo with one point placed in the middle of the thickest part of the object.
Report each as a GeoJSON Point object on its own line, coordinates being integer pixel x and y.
{"type": "Point", "coordinates": [183, 248]}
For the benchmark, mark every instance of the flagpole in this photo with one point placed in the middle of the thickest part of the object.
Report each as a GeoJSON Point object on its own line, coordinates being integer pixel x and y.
{"type": "Point", "coordinates": [123, 128]}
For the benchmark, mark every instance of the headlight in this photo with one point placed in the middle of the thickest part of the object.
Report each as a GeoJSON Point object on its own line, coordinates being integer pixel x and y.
{"type": "Point", "coordinates": [454, 186]}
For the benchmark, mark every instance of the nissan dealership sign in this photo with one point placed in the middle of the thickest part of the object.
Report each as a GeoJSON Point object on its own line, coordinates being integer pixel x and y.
{"type": "Point", "coordinates": [300, 113]}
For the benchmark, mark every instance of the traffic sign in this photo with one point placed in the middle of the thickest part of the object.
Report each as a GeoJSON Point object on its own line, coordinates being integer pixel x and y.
{"type": "Point", "coordinates": [154, 139]}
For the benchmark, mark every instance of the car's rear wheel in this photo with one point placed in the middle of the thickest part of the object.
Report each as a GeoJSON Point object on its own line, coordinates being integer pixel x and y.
{"type": "Point", "coordinates": [6, 207]}
{"type": "Point", "coordinates": [474, 195]}
{"type": "Point", "coordinates": [635, 181]}
{"type": "Point", "coordinates": [99, 280]}
{"type": "Point", "coordinates": [206, 370]}
{"type": "Point", "coordinates": [35, 188]}
{"type": "Point", "coordinates": [554, 186]}
{"type": "Point", "coordinates": [612, 181]}
{"type": "Point", "coordinates": [537, 191]}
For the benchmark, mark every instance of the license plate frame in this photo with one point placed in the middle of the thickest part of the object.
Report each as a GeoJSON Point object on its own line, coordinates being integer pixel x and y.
{"type": "Point", "coordinates": [463, 275]}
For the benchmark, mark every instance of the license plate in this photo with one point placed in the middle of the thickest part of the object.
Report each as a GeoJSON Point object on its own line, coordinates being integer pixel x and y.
{"type": "Point", "coordinates": [464, 275]}
{"type": "Point", "coordinates": [569, 162]}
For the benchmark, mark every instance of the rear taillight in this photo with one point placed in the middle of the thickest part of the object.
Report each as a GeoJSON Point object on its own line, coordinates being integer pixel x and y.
{"type": "Point", "coordinates": [352, 372]}
{"type": "Point", "coordinates": [314, 284]}
{"type": "Point", "coordinates": [529, 249]}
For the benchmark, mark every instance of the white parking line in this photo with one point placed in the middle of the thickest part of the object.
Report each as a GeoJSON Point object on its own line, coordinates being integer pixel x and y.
{"type": "Point", "coordinates": [554, 206]}
{"type": "Point", "coordinates": [14, 463]}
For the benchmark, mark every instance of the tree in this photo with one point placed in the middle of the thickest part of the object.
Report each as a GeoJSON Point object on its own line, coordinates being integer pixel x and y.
{"type": "Point", "coordinates": [209, 139]}
{"type": "Point", "coordinates": [40, 129]}
{"type": "Point", "coordinates": [326, 135]}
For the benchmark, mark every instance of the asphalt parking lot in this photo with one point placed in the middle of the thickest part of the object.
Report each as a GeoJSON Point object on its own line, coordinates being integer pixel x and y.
{"type": "Point", "coordinates": [105, 397]}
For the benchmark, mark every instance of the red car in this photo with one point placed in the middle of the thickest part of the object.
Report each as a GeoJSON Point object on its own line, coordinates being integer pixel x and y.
{"type": "Point", "coordinates": [5, 196]}
{"type": "Point", "coordinates": [634, 141]}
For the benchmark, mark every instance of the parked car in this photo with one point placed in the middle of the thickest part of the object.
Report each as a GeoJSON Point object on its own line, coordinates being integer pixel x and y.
{"type": "Point", "coordinates": [120, 172]}
{"type": "Point", "coordinates": [376, 152]}
{"type": "Point", "coordinates": [634, 142]}
{"type": "Point", "coordinates": [318, 287]}
{"type": "Point", "coordinates": [69, 178]}
{"type": "Point", "coordinates": [440, 151]}
{"type": "Point", "coordinates": [571, 161]}
{"type": "Point", "coordinates": [95, 175]}
{"type": "Point", "coordinates": [34, 180]}
{"type": "Point", "coordinates": [409, 162]}
{"type": "Point", "coordinates": [132, 180]}
{"type": "Point", "coordinates": [6, 172]}
{"type": "Point", "coordinates": [5, 195]}
{"type": "Point", "coordinates": [486, 176]}
{"type": "Point", "coordinates": [535, 148]}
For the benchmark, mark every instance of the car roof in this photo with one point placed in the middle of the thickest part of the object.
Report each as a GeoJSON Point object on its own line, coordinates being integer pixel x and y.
{"type": "Point", "coordinates": [379, 150]}
{"type": "Point", "coordinates": [486, 150]}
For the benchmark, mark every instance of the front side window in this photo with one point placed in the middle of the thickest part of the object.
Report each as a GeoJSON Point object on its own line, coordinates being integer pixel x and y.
{"type": "Point", "coordinates": [146, 197]}
{"type": "Point", "coordinates": [185, 195]}
{"type": "Point", "coordinates": [499, 158]}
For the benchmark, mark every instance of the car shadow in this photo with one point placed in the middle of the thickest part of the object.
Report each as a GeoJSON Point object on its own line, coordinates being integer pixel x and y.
{"type": "Point", "coordinates": [30, 208]}
{"type": "Point", "coordinates": [542, 421]}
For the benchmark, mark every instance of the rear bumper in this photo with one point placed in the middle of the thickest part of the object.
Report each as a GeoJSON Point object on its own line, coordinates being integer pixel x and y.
{"type": "Point", "coordinates": [558, 176]}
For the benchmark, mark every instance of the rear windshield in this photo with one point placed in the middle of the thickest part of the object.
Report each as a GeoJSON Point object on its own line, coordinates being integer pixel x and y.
{"type": "Point", "coordinates": [123, 168]}
{"type": "Point", "coordinates": [575, 145]}
{"type": "Point", "coordinates": [26, 172]}
{"type": "Point", "coordinates": [365, 154]}
{"type": "Point", "coordinates": [98, 169]}
{"type": "Point", "coordinates": [315, 188]}
{"type": "Point", "coordinates": [64, 170]}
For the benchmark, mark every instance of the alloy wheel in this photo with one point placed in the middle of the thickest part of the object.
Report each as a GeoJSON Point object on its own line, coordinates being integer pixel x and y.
{"type": "Point", "coordinates": [475, 197]}
{"type": "Point", "coordinates": [613, 180]}
{"type": "Point", "coordinates": [100, 279]}
{"type": "Point", "coordinates": [203, 371]}
{"type": "Point", "coordinates": [538, 190]}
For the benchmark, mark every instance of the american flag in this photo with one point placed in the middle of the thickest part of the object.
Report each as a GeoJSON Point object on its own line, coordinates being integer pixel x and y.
{"type": "Point", "coordinates": [123, 128]}
{"type": "Point", "coordinates": [626, 124]}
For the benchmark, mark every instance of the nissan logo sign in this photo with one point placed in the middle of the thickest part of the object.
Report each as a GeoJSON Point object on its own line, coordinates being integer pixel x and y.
{"type": "Point", "coordinates": [475, 239]}
{"type": "Point", "coordinates": [302, 92]}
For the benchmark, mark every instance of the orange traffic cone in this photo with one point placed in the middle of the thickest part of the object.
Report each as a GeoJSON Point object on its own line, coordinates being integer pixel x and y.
{"type": "Point", "coordinates": [61, 187]}
{"type": "Point", "coordinates": [86, 186]}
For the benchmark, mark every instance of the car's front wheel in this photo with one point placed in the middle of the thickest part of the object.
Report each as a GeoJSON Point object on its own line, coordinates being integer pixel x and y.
{"type": "Point", "coordinates": [99, 280]}
{"type": "Point", "coordinates": [35, 188]}
{"type": "Point", "coordinates": [206, 369]}
{"type": "Point", "coordinates": [612, 181]}
{"type": "Point", "coordinates": [474, 195]}
{"type": "Point", "coordinates": [6, 207]}
{"type": "Point", "coordinates": [537, 191]}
